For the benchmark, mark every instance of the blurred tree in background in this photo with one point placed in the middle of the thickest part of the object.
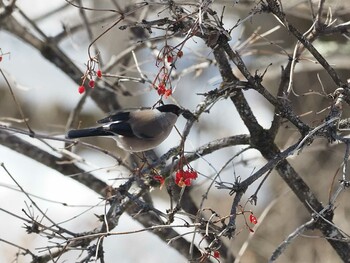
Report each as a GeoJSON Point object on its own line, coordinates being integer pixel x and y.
{"type": "Point", "coordinates": [257, 170]}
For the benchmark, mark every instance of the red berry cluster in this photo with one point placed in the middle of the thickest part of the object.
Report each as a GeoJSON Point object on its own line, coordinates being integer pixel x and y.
{"type": "Point", "coordinates": [162, 90]}
{"type": "Point", "coordinates": [167, 55]}
{"type": "Point", "coordinates": [184, 178]}
{"type": "Point", "coordinates": [90, 75]}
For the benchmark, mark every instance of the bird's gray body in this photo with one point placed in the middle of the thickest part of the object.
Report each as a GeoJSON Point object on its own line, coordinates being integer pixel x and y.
{"type": "Point", "coordinates": [135, 131]}
{"type": "Point", "coordinates": [154, 131]}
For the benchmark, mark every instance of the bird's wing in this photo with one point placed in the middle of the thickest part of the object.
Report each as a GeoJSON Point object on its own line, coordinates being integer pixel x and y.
{"type": "Point", "coordinates": [120, 128]}
{"type": "Point", "coordinates": [119, 116]}
{"type": "Point", "coordinates": [124, 129]}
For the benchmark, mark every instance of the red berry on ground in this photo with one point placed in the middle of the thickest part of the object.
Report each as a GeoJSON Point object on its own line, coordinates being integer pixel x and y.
{"type": "Point", "coordinates": [81, 89]}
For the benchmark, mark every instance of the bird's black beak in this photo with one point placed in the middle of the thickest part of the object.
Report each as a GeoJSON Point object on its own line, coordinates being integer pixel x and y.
{"type": "Point", "coordinates": [188, 115]}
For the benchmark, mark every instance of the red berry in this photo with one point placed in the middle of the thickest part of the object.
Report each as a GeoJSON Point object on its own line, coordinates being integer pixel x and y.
{"type": "Point", "coordinates": [216, 254]}
{"type": "Point", "coordinates": [253, 219]}
{"type": "Point", "coordinates": [187, 181]}
{"type": "Point", "coordinates": [193, 174]}
{"type": "Point", "coordinates": [169, 58]}
{"type": "Point", "coordinates": [99, 73]}
{"type": "Point", "coordinates": [91, 83]}
{"type": "Point", "coordinates": [161, 89]}
{"type": "Point", "coordinates": [168, 92]}
{"type": "Point", "coordinates": [180, 53]}
{"type": "Point", "coordinates": [178, 176]}
{"type": "Point", "coordinates": [0, 58]}
{"type": "Point", "coordinates": [81, 89]}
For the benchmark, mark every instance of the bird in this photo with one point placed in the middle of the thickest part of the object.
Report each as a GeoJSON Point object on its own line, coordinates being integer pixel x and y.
{"type": "Point", "coordinates": [135, 131]}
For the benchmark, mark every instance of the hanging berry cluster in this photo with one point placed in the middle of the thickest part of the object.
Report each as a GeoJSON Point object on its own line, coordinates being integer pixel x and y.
{"type": "Point", "coordinates": [90, 74]}
{"type": "Point", "coordinates": [184, 177]}
{"type": "Point", "coordinates": [166, 59]}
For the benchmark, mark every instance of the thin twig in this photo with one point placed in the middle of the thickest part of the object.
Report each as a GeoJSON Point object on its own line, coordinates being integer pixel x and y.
{"type": "Point", "coordinates": [24, 119]}
{"type": "Point", "coordinates": [279, 250]}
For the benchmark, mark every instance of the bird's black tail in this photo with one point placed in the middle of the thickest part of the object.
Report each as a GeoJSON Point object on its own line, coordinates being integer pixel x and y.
{"type": "Point", "coordinates": [89, 132]}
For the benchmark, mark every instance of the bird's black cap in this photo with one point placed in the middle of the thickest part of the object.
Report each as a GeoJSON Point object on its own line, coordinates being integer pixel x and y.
{"type": "Point", "coordinates": [170, 108]}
